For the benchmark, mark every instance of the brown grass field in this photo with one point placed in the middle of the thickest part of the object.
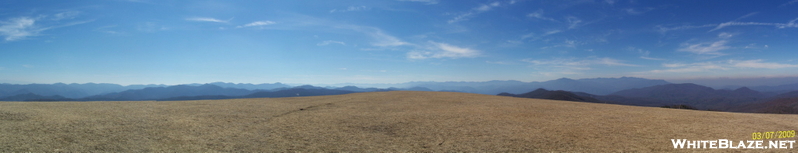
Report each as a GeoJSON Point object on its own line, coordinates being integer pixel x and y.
{"type": "Point", "coordinates": [397, 121]}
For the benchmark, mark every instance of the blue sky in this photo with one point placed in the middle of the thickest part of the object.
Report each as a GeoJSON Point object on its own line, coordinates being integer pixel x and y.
{"type": "Point", "coordinates": [392, 41]}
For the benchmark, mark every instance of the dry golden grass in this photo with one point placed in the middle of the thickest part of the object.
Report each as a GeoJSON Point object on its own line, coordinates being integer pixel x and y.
{"type": "Point", "coordinates": [398, 121]}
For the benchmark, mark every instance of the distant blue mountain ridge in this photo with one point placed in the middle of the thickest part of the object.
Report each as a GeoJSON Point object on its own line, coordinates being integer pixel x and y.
{"type": "Point", "coordinates": [105, 91]}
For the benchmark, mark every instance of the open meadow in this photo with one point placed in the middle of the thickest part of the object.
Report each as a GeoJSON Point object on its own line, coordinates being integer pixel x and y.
{"type": "Point", "coordinates": [396, 121]}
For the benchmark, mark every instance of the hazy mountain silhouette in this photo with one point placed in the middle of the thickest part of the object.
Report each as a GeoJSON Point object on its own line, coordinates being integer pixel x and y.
{"type": "Point", "coordinates": [73, 90]}
{"type": "Point", "coordinates": [41, 89]}
{"type": "Point", "coordinates": [596, 86]}
{"type": "Point", "coordinates": [787, 95]}
{"type": "Point", "coordinates": [680, 96]}
{"type": "Point", "coordinates": [34, 97]}
{"type": "Point", "coordinates": [777, 89]}
{"type": "Point", "coordinates": [155, 93]}
{"type": "Point", "coordinates": [356, 89]}
{"type": "Point", "coordinates": [772, 105]}
{"type": "Point", "coordinates": [296, 92]}
{"type": "Point", "coordinates": [248, 86]}
{"type": "Point", "coordinates": [698, 96]}
{"type": "Point", "coordinates": [553, 95]}
{"type": "Point", "coordinates": [300, 91]}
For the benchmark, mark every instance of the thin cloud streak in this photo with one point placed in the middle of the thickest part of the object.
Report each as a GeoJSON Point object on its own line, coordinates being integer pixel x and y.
{"type": "Point", "coordinates": [712, 48]}
{"type": "Point", "coordinates": [350, 9]}
{"type": "Point", "coordinates": [790, 24]}
{"type": "Point", "coordinates": [256, 24]}
{"type": "Point", "coordinates": [443, 50]}
{"type": "Point", "coordinates": [429, 2]}
{"type": "Point", "coordinates": [203, 19]}
{"type": "Point", "coordinates": [720, 65]}
{"type": "Point", "coordinates": [22, 27]}
{"type": "Point", "coordinates": [474, 11]}
{"type": "Point", "coordinates": [759, 64]}
{"type": "Point", "coordinates": [666, 29]}
{"type": "Point", "coordinates": [584, 64]}
{"type": "Point", "coordinates": [573, 22]}
{"type": "Point", "coordinates": [327, 42]}
{"type": "Point", "coordinates": [539, 15]}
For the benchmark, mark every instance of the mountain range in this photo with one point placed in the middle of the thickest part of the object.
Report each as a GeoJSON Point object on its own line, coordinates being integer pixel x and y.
{"type": "Point", "coordinates": [624, 91]}
{"type": "Point", "coordinates": [73, 90]}
{"type": "Point", "coordinates": [685, 96]}
{"type": "Point", "coordinates": [553, 95]}
{"type": "Point", "coordinates": [597, 86]}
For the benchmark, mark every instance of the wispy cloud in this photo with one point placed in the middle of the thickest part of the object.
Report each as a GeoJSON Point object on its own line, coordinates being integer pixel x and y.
{"type": "Point", "coordinates": [19, 28]}
{"type": "Point", "coordinates": [566, 43]}
{"type": "Point", "coordinates": [789, 3]}
{"type": "Point", "coordinates": [443, 50]}
{"type": "Point", "coordinates": [474, 11]}
{"type": "Point", "coordinates": [204, 19]}
{"type": "Point", "coordinates": [327, 42]}
{"type": "Point", "coordinates": [633, 11]}
{"type": "Point", "coordinates": [22, 27]}
{"type": "Point", "coordinates": [720, 65]}
{"type": "Point", "coordinates": [722, 25]}
{"type": "Point", "coordinates": [725, 35]}
{"type": "Point", "coordinates": [759, 64]}
{"type": "Point", "coordinates": [150, 27]}
{"type": "Point", "coordinates": [535, 37]}
{"type": "Point", "coordinates": [611, 62]}
{"type": "Point", "coordinates": [65, 15]}
{"type": "Point", "coordinates": [137, 1]}
{"type": "Point", "coordinates": [257, 24]}
{"type": "Point", "coordinates": [539, 15]}
{"type": "Point", "coordinates": [573, 22]}
{"type": "Point", "coordinates": [350, 9]}
{"type": "Point", "coordinates": [746, 16]}
{"type": "Point", "coordinates": [651, 58]}
{"type": "Point", "coordinates": [693, 67]}
{"type": "Point", "coordinates": [755, 46]}
{"type": "Point", "coordinates": [429, 2]}
{"type": "Point", "coordinates": [379, 38]}
{"type": "Point", "coordinates": [106, 29]}
{"type": "Point", "coordinates": [705, 48]}
{"type": "Point", "coordinates": [499, 62]}
{"type": "Point", "coordinates": [663, 29]}
{"type": "Point", "coordinates": [790, 24]}
{"type": "Point", "coordinates": [644, 54]}
{"type": "Point", "coordinates": [574, 64]}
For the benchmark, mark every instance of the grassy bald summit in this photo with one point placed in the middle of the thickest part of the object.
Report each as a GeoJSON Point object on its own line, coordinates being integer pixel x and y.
{"type": "Point", "coordinates": [396, 121]}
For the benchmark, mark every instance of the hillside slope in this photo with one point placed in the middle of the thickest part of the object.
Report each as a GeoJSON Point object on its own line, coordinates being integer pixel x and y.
{"type": "Point", "coordinates": [396, 121]}
{"type": "Point", "coordinates": [541, 93]}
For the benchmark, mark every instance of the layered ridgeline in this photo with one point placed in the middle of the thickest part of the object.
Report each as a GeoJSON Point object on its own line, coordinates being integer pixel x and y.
{"type": "Point", "coordinates": [686, 96]}
{"type": "Point", "coordinates": [597, 86]}
{"type": "Point", "coordinates": [75, 90]}
{"type": "Point", "coordinates": [203, 92]}
{"type": "Point", "coordinates": [625, 91]}
{"type": "Point", "coordinates": [396, 121]}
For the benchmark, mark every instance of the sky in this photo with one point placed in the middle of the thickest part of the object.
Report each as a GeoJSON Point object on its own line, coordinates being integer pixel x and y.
{"type": "Point", "coordinates": [393, 41]}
